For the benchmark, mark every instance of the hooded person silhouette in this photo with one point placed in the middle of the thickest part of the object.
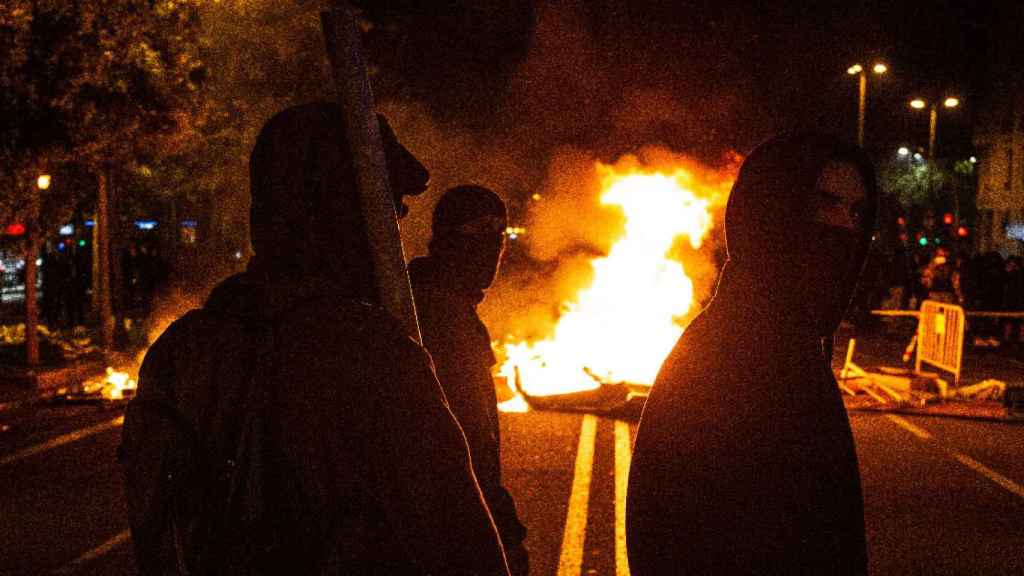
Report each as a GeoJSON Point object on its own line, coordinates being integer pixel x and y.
{"type": "Point", "coordinates": [465, 250]}
{"type": "Point", "coordinates": [744, 461]}
{"type": "Point", "coordinates": [364, 469]}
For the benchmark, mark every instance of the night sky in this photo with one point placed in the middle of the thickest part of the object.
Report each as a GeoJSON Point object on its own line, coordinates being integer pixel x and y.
{"type": "Point", "coordinates": [697, 76]}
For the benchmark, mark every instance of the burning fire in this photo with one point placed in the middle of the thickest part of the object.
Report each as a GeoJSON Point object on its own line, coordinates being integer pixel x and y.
{"type": "Point", "coordinates": [118, 384]}
{"type": "Point", "coordinates": [621, 326]}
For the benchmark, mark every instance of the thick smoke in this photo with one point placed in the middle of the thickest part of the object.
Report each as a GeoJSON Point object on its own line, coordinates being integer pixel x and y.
{"type": "Point", "coordinates": [572, 102]}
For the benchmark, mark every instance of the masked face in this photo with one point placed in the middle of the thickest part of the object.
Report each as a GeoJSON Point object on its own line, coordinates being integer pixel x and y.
{"type": "Point", "coordinates": [826, 262]}
{"type": "Point", "coordinates": [472, 251]}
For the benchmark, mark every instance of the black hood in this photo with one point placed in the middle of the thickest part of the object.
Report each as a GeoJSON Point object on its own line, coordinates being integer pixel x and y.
{"type": "Point", "coordinates": [798, 272]}
{"type": "Point", "coordinates": [305, 214]}
{"type": "Point", "coordinates": [468, 235]}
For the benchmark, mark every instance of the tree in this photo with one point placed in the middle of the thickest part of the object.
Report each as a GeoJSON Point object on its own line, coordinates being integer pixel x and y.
{"type": "Point", "coordinates": [92, 84]}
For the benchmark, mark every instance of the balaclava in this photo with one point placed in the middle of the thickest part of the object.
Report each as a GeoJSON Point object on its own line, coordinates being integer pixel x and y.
{"type": "Point", "coordinates": [797, 270]}
{"type": "Point", "coordinates": [305, 216]}
{"type": "Point", "coordinates": [468, 236]}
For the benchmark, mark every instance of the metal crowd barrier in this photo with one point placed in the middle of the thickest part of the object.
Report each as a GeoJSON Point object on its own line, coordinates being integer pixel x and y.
{"type": "Point", "coordinates": [940, 337]}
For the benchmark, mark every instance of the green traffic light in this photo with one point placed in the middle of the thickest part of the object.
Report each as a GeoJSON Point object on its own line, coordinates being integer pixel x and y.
{"type": "Point", "coordinates": [923, 241]}
{"type": "Point", "coordinates": [81, 242]}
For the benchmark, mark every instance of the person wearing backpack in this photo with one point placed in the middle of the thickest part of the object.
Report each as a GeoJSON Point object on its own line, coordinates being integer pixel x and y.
{"type": "Point", "coordinates": [290, 425]}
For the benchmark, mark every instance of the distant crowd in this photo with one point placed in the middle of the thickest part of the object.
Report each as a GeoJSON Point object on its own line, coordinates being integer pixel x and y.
{"type": "Point", "coordinates": [986, 282]}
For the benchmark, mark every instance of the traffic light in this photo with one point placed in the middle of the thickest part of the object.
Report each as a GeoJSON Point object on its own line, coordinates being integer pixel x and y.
{"type": "Point", "coordinates": [962, 232]}
{"type": "Point", "coordinates": [947, 218]}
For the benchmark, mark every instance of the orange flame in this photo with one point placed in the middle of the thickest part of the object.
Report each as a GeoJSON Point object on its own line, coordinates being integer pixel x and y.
{"type": "Point", "coordinates": [621, 326]}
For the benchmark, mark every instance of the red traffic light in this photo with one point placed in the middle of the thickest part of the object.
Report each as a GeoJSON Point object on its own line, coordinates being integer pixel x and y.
{"type": "Point", "coordinates": [947, 218]}
{"type": "Point", "coordinates": [16, 229]}
{"type": "Point", "coordinates": [961, 232]}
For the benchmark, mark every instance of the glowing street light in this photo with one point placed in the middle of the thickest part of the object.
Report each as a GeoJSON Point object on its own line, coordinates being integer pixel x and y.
{"type": "Point", "coordinates": [43, 182]}
{"type": "Point", "coordinates": [879, 68]}
{"type": "Point", "coordinates": [903, 151]}
{"type": "Point", "coordinates": [933, 117]}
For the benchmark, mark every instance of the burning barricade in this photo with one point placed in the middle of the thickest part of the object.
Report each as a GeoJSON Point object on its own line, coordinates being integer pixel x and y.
{"type": "Point", "coordinates": [610, 340]}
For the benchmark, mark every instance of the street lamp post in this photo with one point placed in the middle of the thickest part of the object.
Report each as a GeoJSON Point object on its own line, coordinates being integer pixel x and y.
{"type": "Point", "coordinates": [31, 271]}
{"type": "Point", "coordinates": [862, 94]}
{"type": "Point", "coordinates": [933, 117]}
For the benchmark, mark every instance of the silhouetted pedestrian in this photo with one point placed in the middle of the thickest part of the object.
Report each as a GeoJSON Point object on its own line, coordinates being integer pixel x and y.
{"type": "Point", "coordinates": [744, 461]}
{"type": "Point", "coordinates": [465, 250]}
{"type": "Point", "coordinates": [347, 459]}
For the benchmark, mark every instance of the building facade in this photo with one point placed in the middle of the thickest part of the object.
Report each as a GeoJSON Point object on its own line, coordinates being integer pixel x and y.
{"type": "Point", "coordinates": [1000, 225]}
{"type": "Point", "coordinates": [999, 139]}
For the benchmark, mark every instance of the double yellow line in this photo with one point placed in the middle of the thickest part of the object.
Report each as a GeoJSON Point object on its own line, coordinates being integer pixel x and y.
{"type": "Point", "coordinates": [570, 562]}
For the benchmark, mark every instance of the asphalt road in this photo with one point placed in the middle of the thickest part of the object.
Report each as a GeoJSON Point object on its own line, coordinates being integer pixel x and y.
{"type": "Point", "coordinates": [942, 496]}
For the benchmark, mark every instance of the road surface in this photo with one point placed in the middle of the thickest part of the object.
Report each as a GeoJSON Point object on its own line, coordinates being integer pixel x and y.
{"type": "Point", "coordinates": [942, 496]}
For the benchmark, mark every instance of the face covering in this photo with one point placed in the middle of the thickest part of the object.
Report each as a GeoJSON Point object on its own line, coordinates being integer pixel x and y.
{"type": "Point", "coordinates": [818, 275]}
{"type": "Point", "coordinates": [471, 260]}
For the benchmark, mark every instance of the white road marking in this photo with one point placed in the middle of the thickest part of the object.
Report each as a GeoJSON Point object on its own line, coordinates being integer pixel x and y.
{"type": "Point", "coordinates": [96, 552]}
{"type": "Point", "coordinates": [62, 440]}
{"type": "Point", "coordinates": [964, 459]}
{"type": "Point", "coordinates": [989, 473]}
{"type": "Point", "coordinates": [916, 431]}
{"type": "Point", "coordinates": [623, 454]}
{"type": "Point", "coordinates": [571, 561]}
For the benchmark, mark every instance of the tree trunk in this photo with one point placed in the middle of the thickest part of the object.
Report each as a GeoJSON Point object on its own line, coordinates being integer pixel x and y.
{"type": "Point", "coordinates": [31, 303]}
{"type": "Point", "coordinates": [101, 297]}
{"type": "Point", "coordinates": [115, 248]}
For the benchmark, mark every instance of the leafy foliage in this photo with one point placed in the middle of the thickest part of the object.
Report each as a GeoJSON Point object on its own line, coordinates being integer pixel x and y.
{"type": "Point", "coordinates": [92, 84]}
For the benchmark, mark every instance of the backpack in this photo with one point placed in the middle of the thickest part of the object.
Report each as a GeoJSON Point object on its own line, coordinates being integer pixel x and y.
{"type": "Point", "coordinates": [205, 493]}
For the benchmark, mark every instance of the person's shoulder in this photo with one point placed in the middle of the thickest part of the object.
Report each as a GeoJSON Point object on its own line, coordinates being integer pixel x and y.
{"type": "Point", "coordinates": [180, 334]}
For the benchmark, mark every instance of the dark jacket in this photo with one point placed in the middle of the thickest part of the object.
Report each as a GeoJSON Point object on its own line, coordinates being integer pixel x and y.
{"type": "Point", "coordinates": [460, 347]}
{"type": "Point", "coordinates": [369, 471]}
{"type": "Point", "coordinates": [744, 461]}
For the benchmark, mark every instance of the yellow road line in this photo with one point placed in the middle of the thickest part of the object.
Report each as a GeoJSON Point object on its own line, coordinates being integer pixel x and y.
{"type": "Point", "coordinates": [989, 473]}
{"type": "Point", "coordinates": [571, 561]}
{"type": "Point", "coordinates": [623, 454]}
{"type": "Point", "coordinates": [96, 552]}
{"type": "Point", "coordinates": [916, 431]}
{"type": "Point", "coordinates": [62, 440]}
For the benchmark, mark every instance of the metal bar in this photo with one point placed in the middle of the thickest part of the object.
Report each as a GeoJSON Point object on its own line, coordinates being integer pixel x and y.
{"type": "Point", "coordinates": [344, 51]}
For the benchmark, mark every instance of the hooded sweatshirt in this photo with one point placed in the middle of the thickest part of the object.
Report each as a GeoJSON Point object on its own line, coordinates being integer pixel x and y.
{"type": "Point", "coordinates": [367, 470]}
{"type": "Point", "coordinates": [744, 461]}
